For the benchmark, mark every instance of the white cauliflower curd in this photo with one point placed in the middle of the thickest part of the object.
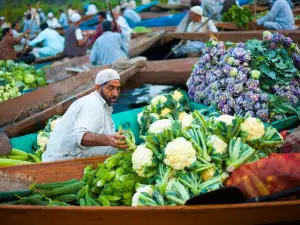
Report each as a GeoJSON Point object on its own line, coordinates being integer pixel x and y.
{"type": "Point", "coordinates": [159, 125]}
{"type": "Point", "coordinates": [254, 127]}
{"type": "Point", "coordinates": [141, 157]}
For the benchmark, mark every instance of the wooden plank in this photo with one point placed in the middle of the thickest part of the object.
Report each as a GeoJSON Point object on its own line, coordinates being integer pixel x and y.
{"type": "Point", "coordinates": [50, 58]}
{"type": "Point", "coordinates": [164, 72]}
{"type": "Point", "coordinates": [172, 6]}
{"type": "Point", "coordinates": [151, 15]}
{"type": "Point", "coordinates": [141, 44]}
{"type": "Point", "coordinates": [233, 27]}
{"type": "Point", "coordinates": [234, 36]}
{"type": "Point", "coordinates": [37, 120]}
{"type": "Point", "coordinates": [237, 214]}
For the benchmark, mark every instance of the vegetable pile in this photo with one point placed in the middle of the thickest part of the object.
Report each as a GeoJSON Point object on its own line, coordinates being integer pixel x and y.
{"type": "Point", "coordinates": [253, 77]}
{"type": "Point", "coordinates": [17, 157]}
{"type": "Point", "coordinates": [15, 78]}
{"type": "Point", "coordinates": [141, 30]}
{"type": "Point", "coordinates": [239, 15]}
{"type": "Point", "coordinates": [183, 155]}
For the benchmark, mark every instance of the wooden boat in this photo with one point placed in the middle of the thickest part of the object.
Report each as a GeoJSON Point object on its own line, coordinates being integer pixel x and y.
{"type": "Point", "coordinates": [151, 15]}
{"type": "Point", "coordinates": [50, 58]}
{"type": "Point", "coordinates": [230, 214]}
{"type": "Point", "coordinates": [154, 29]}
{"type": "Point", "coordinates": [57, 97]}
{"type": "Point", "coordinates": [171, 7]}
{"type": "Point", "coordinates": [64, 86]}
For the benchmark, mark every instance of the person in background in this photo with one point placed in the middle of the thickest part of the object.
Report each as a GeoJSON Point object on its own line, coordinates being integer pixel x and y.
{"type": "Point", "coordinates": [52, 21]}
{"type": "Point", "coordinates": [42, 15]}
{"type": "Point", "coordinates": [87, 128]}
{"type": "Point", "coordinates": [70, 11]}
{"type": "Point", "coordinates": [31, 25]}
{"type": "Point", "coordinates": [131, 16]}
{"type": "Point", "coordinates": [34, 14]}
{"type": "Point", "coordinates": [186, 19]}
{"type": "Point", "coordinates": [7, 47]}
{"type": "Point", "coordinates": [51, 40]}
{"type": "Point", "coordinates": [63, 19]}
{"type": "Point", "coordinates": [99, 31]}
{"type": "Point", "coordinates": [108, 47]}
{"type": "Point", "coordinates": [16, 31]}
{"type": "Point", "coordinates": [145, 2]}
{"type": "Point", "coordinates": [125, 28]}
{"type": "Point", "coordinates": [280, 16]}
{"type": "Point", "coordinates": [3, 23]}
{"type": "Point", "coordinates": [196, 25]}
{"type": "Point", "coordinates": [211, 7]}
{"type": "Point", "coordinates": [132, 4]}
{"type": "Point", "coordinates": [75, 43]}
{"type": "Point", "coordinates": [91, 10]}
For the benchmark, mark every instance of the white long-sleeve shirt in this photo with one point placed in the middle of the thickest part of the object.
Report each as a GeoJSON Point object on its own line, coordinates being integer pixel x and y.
{"type": "Point", "coordinates": [209, 26]}
{"type": "Point", "coordinates": [87, 114]}
{"type": "Point", "coordinates": [53, 23]}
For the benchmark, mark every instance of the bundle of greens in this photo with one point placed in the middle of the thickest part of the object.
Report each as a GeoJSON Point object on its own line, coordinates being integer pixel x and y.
{"type": "Point", "coordinates": [240, 16]}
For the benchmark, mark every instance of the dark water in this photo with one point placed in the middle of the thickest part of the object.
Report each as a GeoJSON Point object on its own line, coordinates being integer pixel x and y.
{"type": "Point", "coordinates": [139, 97]}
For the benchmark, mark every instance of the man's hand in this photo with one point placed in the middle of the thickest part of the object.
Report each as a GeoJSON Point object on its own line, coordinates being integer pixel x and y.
{"type": "Point", "coordinates": [117, 140]}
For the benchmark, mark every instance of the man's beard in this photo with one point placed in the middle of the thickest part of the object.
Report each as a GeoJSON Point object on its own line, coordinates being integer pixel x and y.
{"type": "Point", "coordinates": [109, 103]}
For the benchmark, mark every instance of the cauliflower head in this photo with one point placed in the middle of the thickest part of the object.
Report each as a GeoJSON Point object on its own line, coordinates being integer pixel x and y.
{"type": "Point", "coordinates": [227, 119]}
{"type": "Point", "coordinates": [159, 125]}
{"type": "Point", "coordinates": [179, 154]}
{"type": "Point", "coordinates": [159, 99]}
{"type": "Point", "coordinates": [42, 140]}
{"type": "Point", "coordinates": [185, 119]}
{"type": "Point", "coordinates": [254, 127]}
{"type": "Point", "coordinates": [141, 157]}
{"type": "Point", "coordinates": [217, 143]}
{"type": "Point", "coordinates": [54, 123]}
{"type": "Point", "coordinates": [145, 189]}
{"type": "Point", "coordinates": [177, 95]}
{"type": "Point", "coordinates": [165, 112]}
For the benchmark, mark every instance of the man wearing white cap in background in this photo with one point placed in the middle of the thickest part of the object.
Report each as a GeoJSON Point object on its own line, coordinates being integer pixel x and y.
{"type": "Point", "coordinates": [3, 23]}
{"type": "Point", "coordinates": [52, 21]}
{"type": "Point", "coordinates": [43, 17]}
{"type": "Point", "coordinates": [75, 43]}
{"type": "Point", "coordinates": [87, 128]}
{"type": "Point", "coordinates": [33, 13]}
{"type": "Point", "coordinates": [195, 25]}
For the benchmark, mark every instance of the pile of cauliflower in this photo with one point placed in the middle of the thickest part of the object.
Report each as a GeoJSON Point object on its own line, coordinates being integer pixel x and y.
{"type": "Point", "coordinates": [192, 154]}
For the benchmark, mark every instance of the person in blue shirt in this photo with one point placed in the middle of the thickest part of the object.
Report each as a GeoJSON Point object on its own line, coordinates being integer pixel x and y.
{"type": "Point", "coordinates": [31, 25]}
{"type": "Point", "coordinates": [43, 17]}
{"type": "Point", "coordinates": [131, 16]}
{"type": "Point", "coordinates": [63, 19]}
{"type": "Point", "coordinates": [280, 16]}
{"type": "Point", "coordinates": [53, 43]}
{"type": "Point", "coordinates": [108, 47]}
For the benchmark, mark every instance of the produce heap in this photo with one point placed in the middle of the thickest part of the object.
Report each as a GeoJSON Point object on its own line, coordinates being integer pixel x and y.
{"type": "Point", "coordinates": [141, 30]}
{"type": "Point", "coordinates": [241, 16]}
{"type": "Point", "coordinates": [16, 78]}
{"type": "Point", "coordinates": [260, 78]}
{"type": "Point", "coordinates": [179, 159]}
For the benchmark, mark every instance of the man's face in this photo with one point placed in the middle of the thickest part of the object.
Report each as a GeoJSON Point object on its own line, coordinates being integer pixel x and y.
{"type": "Point", "coordinates": [194, 17]}
{"type": "Point", "coordinates": [110, 91]}
{"type": "Point", "coordinates": [17, 27]}
{"type": "Point", "coordinates": [101, 19]}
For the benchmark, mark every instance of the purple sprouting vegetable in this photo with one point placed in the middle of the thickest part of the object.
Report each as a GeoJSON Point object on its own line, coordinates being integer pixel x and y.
{"type": "Point", "coordinates": [233, 72]}
{"type": "Point", "coordinates": [213, 51]}
{"type": "Point", "coordinates": [222, 82]}
{"type": "Point", "coordinates": [293, 99]}
{"type": "Point", "coordinates": [236, 62]}
{"type": "Point", "coordinates": [255, 74]}
{"type": "Point", "coordinates": [226, 69]}
{"type": "Point", "coordinates": [210, 77]}
{"type": "Point", "coordinates": [262, 114]}
{"type": "Point", "coordinates": [206, 58]}
{"type": "Point", "coordinates": [238, 89]}
{"type": "Point", "coordinates": [202, 87]}
{"type": "Point", "coordinates": [230, 88]}
{"type": "Point", "coordinates": [248, 105]}
{"type": "Point", "coordinates": [219, 74]}
{"type": "Point", "coordinates": [245, 69]}
{"type": "Point", "coordinates": [238, 53]}
{"type": "Point", "coordinates": [197, 81]}
{"type": "Point", "coordinates": [239, 100]}
{"type": "Point", "coordinates": [246, 58]}
{"type": "Point", "coordinates": [267, 36]}
{"type": "Point", "coordinates": [223, 98]}
{"type": "Point", "coordinates": [226, 109]}
{"type": "Point", "coordinates": [254, 97]}
{"type": "Point", "coordinates": [221, 45]}
{"type": "Point", "coordinates": [190, 81]}
{"type": "Point", "coordinates": [287, 42]}
{"type": "Point", "coordinates": [231, 103]}
{"type": "Point", "coordinates": [191, 92]}
{"type": "Point", "coordinates": [207, 101]}
{"type": "Point", "coordinates": [252, 84]}
{"type": "Point", "coordinates": [241, 77]}
{"type": "Point", "coordinates": [294, 56]}
{"type": "Point", "coordinates": [238, 109]}
{"type": "Point", "coordinates": [240, 45]}
{"type": "Point", "coordinates": [257, 106]}
{"type": "Point", "coordinates": [221, 105]}
{"type": "Point", "coordinates": [275, 88]}
{"type": "Point", "coordinates": [277, 117]}
{"type": "Point", "coordinates": [251, 113]}
{"type": "Point", "coordinates": [273, 45]}
{"type": "Point", "coordinates": [215, 85]}
{"type": "Point", "coordinates": [263, 97]}
{"type": "Point", "coordinates": [229, 81]}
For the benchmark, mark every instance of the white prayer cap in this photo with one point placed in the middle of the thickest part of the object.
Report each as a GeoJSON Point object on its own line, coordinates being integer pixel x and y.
{"type": "Point", "coordinates": [2, 18]}
{"type": "Point", "coordinates": [106, 75]}
{"type": "Point", "coordinates": [39, 10]}
{"type": "Point", "coordinates": [197, 9]}
{"type": "Point", "coordinates": [50, 14]}
{"type": "Point", "coordinates": [75, 17]}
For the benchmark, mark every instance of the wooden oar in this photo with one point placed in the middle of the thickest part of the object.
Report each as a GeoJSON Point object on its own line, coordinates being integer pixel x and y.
{"type": "Point", "coordinates": [32, 19]}
{"type": "Point", "coordinates": [182, 42]}
{"type": "Point", "coordinates": [5, 145]}
{"type": "Point", "coordinates": [112, 15]}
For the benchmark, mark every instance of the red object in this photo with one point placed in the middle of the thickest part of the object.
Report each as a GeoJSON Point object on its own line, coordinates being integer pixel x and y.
{"type": "Point", "coordinates": [284, 134]}
{"type": "Point", "coordinates": [266, 176]}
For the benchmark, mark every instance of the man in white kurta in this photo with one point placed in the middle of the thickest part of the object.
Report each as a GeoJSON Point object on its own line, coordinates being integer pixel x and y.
{"type": "Point", "coordinates": [87, 128]}
{"type": "Point", "coordinates": [52, 21]}
{"type": "Point", "coordinates": [196, 25]}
